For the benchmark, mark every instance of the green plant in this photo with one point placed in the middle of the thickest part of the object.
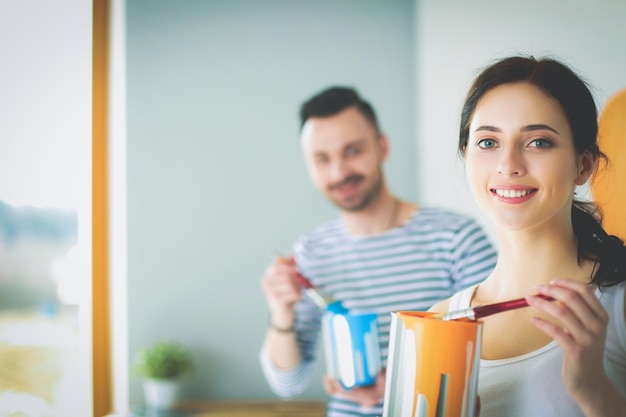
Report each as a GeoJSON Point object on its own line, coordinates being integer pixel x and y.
{"type": "Point", "coordinates": [163, 360]}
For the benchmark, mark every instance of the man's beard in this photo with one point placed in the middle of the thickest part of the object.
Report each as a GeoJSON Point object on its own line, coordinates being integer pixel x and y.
{"type": "Point", "coordinates": [365, 200]}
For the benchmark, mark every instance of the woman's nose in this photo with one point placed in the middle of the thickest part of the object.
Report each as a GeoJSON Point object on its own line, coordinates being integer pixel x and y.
{"type": "Point", "coordinates": [511, 162]}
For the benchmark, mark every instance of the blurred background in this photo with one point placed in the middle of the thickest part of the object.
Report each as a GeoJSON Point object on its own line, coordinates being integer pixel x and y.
{"type": "Point", "coordinates": [208, 177]}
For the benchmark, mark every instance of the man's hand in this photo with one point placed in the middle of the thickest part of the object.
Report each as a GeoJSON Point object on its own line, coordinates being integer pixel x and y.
{"type": "Point", "coordinates": [367, 396]}
{"type": "Point", "coordinates": [281, 290]}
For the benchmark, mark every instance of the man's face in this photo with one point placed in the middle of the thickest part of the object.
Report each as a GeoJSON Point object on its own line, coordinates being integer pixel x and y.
{"type": "Point", "coordinates": [344, 155]}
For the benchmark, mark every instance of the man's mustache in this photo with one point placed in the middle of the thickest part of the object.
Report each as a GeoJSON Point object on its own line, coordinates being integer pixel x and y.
{"type": "Point", "coordinates": [351, 179]}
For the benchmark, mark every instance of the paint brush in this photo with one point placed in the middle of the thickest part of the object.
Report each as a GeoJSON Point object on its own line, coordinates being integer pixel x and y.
{"type": "Point", "coordinates": [318, 296]}
{"type": "Point", "coordinates": [478, 312]}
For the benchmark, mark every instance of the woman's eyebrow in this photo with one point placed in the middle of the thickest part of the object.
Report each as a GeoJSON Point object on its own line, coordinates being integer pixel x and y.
{"type": "Point", "coordinates": [530, 128]}
{"type": "Point", "coordinates": [487, 128]}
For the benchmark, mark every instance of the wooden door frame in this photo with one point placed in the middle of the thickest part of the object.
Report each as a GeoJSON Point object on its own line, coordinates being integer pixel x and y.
{"type": "Point", "coordinates": [101, 337]}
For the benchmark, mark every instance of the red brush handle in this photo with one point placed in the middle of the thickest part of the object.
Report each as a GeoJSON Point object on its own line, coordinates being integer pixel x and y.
{"type": "Point", "coordinates": [489, 309]}
{"type": "Point", "coordinates": [299, 277]}
{"type": "Point", "coordinates": [303, 281]}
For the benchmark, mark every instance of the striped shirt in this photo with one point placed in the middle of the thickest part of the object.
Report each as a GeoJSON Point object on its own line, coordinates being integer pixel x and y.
{"type": "Point", "coordinates": [432, 256]}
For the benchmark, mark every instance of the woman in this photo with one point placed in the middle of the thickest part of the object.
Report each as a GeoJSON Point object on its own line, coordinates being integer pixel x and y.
{"type": "Point", "coordinates": [528, 137]}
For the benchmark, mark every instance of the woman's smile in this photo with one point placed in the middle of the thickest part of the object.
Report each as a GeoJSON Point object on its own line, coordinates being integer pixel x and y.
{"type": "Point", "coordinates": [513, 195]}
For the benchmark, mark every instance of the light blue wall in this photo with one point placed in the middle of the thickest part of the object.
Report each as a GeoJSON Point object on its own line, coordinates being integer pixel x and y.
{"type": "Point", "coordinates": [216, 181]}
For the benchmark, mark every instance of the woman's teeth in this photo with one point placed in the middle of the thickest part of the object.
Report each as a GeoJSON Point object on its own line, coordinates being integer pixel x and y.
{"type": "Point", "coordinates": [512, 193]}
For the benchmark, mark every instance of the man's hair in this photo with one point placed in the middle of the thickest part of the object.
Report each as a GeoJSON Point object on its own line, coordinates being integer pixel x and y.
{"type": "Point", "coordinates": [334, 100]}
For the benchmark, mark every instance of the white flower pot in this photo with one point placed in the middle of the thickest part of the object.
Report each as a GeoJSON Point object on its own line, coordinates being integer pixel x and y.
{"type": "Point", "coordinates": [161, 393]}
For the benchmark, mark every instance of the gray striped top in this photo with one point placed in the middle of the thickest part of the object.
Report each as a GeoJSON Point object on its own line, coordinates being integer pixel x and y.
{"type": "Point", "coordinates": [433, 255]}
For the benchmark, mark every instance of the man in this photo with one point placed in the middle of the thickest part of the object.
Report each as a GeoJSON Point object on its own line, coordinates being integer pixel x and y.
{"type": "Point", "coordinates": [382, 254]}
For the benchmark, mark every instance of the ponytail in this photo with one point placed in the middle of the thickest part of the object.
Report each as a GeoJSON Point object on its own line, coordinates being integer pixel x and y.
{"type": "Point", "coordinates": [594, 243]}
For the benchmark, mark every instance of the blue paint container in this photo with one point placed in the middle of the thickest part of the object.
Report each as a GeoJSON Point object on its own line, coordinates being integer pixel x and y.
{"type": "Point", "coordinates": [351, 346]}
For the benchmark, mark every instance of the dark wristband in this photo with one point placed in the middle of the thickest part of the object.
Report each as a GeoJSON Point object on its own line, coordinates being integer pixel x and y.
{"type": "Point", "coordinates": [282, 329]}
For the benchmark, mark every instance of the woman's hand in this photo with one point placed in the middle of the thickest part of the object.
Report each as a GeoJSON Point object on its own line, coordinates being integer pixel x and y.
{"type": "Point", "coordinates": [581, 334]}
{"type": "Point", "coordinates": [367, 396]}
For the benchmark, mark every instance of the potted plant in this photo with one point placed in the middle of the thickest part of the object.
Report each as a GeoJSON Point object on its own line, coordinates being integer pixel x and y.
{"type": "Point", "coordinates": [162, 367]}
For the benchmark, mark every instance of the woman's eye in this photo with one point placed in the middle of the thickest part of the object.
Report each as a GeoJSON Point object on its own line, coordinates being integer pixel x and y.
{"type": "Point", "coordinates": [486, 143]}
{"type": "Point", "coordinates": [541, 143]}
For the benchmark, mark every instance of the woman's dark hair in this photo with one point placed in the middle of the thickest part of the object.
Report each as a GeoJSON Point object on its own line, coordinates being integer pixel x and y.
{"type": "Point", "coordinates": [334, 100]}
{"type": "Point", "coordinates": [576, 100]}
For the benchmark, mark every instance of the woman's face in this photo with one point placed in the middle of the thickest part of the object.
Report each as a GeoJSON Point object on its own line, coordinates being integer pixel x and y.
{"type": "Point", "coordinates": [520, 158]}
